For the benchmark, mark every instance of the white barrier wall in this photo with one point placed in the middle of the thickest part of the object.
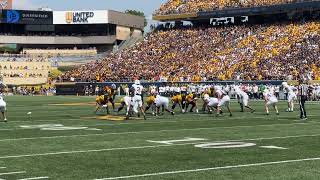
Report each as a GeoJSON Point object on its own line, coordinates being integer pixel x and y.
{"type": "Point", "coordinates": [29, 73]}
{"type": "Point", "coordinates": [57, 40]}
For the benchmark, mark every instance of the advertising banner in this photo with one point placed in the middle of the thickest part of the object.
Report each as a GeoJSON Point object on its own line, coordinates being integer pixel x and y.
{"type": "Point", "coordinates": [80, 17]}
{"type": "Point", "coordinates": [5, 4]}
{"type": "Point", "coordinates": [27, 17]}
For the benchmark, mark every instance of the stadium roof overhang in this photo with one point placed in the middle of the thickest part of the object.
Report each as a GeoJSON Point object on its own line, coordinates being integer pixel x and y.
{"type": "Point", "coordinates": [262, 10]}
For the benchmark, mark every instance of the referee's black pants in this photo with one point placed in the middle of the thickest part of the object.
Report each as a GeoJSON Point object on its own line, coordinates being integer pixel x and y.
{"type": "Point", "coordinates": [303, 113]}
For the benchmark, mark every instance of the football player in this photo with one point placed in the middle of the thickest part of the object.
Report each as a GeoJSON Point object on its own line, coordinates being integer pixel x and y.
{"type": "Point", "coordinates": [102, 102]}
{"type": "Point", "coordinates": [292, 95]}
{"type": "Point", "coordinates": [270, 100]}
{"type": "Point", "coordinates": [125, 102]}
{"type": "Point", "coordinates": [151, 103]}
{"type": "Point", "coordinates": [109, 92]}
{"type": "Point", "coordinates": [137, 90]}
{"type": "Point", "coordinates": [163, 102]}
{"type": "Point", "coordinates": [243, 99]}
{"type": "Point", "coordinates": [211, 103]}
{"type": "Point", "coordinates": [177, 100]}
{"type": "Point", "coordinates": [3, 108]}
{"type": "Point", "coordinates": [191, 99]}
{"type": "Point", "coordinates": [224, 100]}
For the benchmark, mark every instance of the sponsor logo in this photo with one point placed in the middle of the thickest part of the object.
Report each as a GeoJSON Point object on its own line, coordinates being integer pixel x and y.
{"type": "Point", "coordinates": [4, 4]}
{"type": "Point", "coordinates": [78, 17]}
{"type": "Point", "coordinates": [13, 16]}
{"type": "Point", "coordinates": [35, 15]}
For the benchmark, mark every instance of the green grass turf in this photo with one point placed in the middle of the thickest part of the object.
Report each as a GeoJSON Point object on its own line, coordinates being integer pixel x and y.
{"type": "Point", "coordinates": [121, 148]}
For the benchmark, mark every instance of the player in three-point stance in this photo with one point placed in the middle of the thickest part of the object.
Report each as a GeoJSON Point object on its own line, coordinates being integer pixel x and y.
{"type": "Point", "coordinates": [270, 100]}
{"type": "Point", "coordinates": [224, 100]}
{"type": "Point", "coordinates": [243, 99]}
{"type": "Point", "coordinates": [163, 102]}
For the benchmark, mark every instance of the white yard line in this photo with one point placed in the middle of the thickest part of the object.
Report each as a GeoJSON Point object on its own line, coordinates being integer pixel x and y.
{"type": "Point", "coordinates": [34, 178]}
{"type": "Point", "coordinates": [210, 169]}
{"type": "Point", "coordinates": [214, 119]}
{"type": "Point", "coordinates": [158, 131]}
{"type": "Point", "coordinates": [33, 121]}
{"type": "Point", "coordinates": [17, 172]}
{"type": "Point", "coordinates": [88, 151]}
{"type": "Point", "coordinates": [144, 147]}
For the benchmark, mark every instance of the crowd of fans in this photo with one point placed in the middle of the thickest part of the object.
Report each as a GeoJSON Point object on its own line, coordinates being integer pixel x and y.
{"type": "Point", "coordinates": [247, 52]}
{"type": "Point", "coordinates": [193, 6]}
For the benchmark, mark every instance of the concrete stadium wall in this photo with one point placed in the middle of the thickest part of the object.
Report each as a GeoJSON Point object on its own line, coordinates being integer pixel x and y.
{"type": "Point", "coordinates": [137, 33]}
{"type": "Point", "coordinates": [57, 40]}
{"type": "Point", "coordinates": [24, 81]}
{"type": "Point", "coordinates": [42, 68]}
{"type": "Point", "coordinates": [123, 33]}
{"type": "Point", "coordinates": [31, 65]}
{"type": "Point", "coordinates": [127, 20]}
{"type": "Point", "coordinates": [61, 52]}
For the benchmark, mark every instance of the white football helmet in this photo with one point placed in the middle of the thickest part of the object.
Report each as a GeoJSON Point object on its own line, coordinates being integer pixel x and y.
{"type": "Point", "coordinates": [137, 82]}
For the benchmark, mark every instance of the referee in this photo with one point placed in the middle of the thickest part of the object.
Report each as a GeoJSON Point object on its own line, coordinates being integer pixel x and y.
{"type": "Point", "coordinates": [303, 96]}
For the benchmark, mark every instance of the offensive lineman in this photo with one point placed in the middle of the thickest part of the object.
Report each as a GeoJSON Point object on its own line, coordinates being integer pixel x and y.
{"type": "Point", "coordinates": [224, 100]}
{"type": "Point", "coordinates": [125, 102]}
{"type": "Point", "coordinates": [211, 103]}
{"type": "Point", "coordinates": [161, 101]}
{"type": "Point", "coordinates": [270, 100]}
{"type": "Point", "coordinates": [243, 99]}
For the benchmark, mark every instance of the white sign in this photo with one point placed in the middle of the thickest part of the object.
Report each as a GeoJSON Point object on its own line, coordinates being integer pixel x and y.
{"type": "Point", "coordinates": [227, 20]}
{"type": "Point", "coordinates": [80, 17]}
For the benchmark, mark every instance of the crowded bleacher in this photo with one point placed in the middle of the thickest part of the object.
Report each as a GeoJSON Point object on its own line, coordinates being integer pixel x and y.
{"type": "Point", "coordinates": [193, 6]}
{"type": "Point", "coordinates": [248, 52]}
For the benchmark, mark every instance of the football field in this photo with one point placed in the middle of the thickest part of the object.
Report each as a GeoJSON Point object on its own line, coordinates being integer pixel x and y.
{"type": "Point", "coordinates": [62, 138]}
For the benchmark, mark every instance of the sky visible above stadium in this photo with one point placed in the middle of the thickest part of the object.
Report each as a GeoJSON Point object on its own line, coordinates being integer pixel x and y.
{"type": "Point", "coordinates": [147, 6]}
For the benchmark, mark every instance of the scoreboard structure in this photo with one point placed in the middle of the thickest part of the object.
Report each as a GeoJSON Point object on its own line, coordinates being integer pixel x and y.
{"type": "Point", "coordinates": [68, 29]}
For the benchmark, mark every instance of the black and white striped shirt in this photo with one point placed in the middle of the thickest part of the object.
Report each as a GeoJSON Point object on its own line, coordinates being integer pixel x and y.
{"type": "Point", "coordinates": [303, 90]}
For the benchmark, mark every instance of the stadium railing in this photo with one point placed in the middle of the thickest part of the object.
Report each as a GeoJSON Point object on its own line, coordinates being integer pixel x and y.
{"type": "Point", "coordinates": [77, 88]}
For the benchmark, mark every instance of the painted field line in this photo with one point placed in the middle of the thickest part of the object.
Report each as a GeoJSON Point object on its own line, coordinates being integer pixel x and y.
{"type": "Point", "coordinates": [88, 151]}
{"type": "Point", "coordinates": [34, 178]}
{"type": "Point", "coordinates": [158, 131]}
{"type": "Point", "coordinates": [7, 129]}
{"type": "Point", "coordinates": [17, 172]}
{"type": "Point", "coordinates": [211, 169]}
{"type": "Point", "coordinates": [33, 121]}
{"type": "Point", "coordinates": [213, 120]}
{"type": "Point", "coordinates": [143, 147]}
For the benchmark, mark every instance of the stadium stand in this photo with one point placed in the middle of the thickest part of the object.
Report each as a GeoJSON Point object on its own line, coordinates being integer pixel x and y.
{"type": "Point", "coordinates": [192, 6]}
{"type": "Point", "coordinates": [247, 52]}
